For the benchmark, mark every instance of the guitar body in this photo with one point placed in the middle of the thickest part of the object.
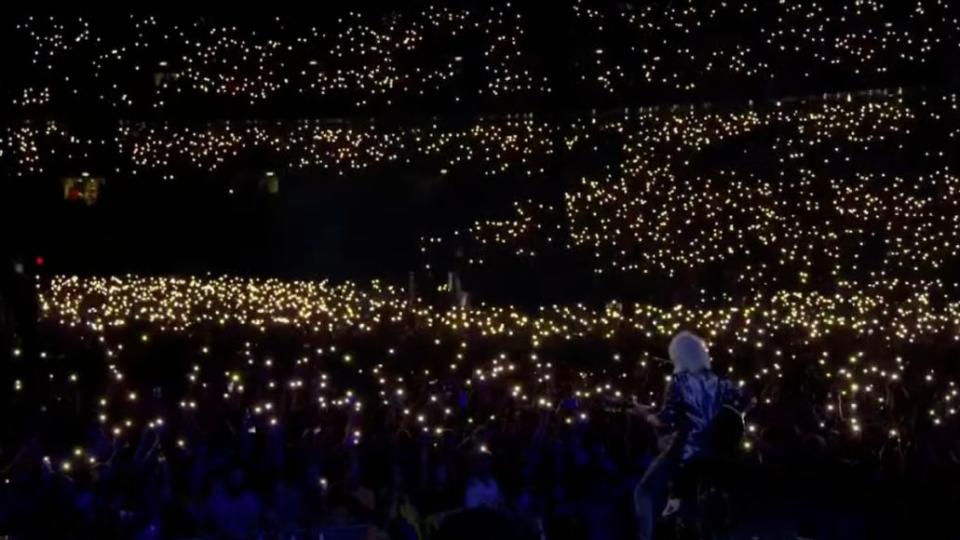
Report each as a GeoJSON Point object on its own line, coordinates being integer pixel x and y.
{"type": "Point", "coordinates": [726, 431]}
{"type": "Point", "coordinates": [724, 435]}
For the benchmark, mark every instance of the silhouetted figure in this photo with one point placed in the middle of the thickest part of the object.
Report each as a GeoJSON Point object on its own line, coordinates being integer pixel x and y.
{"type": "Point", "coordinates": [694, 397]}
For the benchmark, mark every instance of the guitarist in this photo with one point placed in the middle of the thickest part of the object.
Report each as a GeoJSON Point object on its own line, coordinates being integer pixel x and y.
{"type": "Point", "coordinates": [694, 399]}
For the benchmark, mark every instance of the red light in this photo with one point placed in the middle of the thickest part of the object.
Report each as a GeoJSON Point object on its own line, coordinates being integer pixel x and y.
{"type": "Point", "coordinates": [39, 260]}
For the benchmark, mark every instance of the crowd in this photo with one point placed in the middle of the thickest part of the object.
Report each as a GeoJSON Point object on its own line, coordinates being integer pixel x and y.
{"type": "Point", "coordinates": [811, 241]}
{"type": "Point", "coordinates": [477, 54]}
{"type": "Point", "coordinates": [165, 405]}
{"type": "Point", "coordinates": [522, 145]}
{"type": "Point", "coordinates": [157, 407]}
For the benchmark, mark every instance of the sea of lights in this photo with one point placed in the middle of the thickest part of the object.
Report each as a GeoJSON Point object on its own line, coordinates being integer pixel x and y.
{"type": "Point", "coordinates": [460, 55]}
{"type": "Point", "coordinates": [369, 351]}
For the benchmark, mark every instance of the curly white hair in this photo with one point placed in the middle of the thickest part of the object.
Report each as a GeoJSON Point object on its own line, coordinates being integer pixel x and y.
{"type": "Point", "coordinates": [688, 352]}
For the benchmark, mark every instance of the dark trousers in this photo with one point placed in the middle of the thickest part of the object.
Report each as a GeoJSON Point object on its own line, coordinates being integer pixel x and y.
{"type": "Point", "coordinates": [650, 495]}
